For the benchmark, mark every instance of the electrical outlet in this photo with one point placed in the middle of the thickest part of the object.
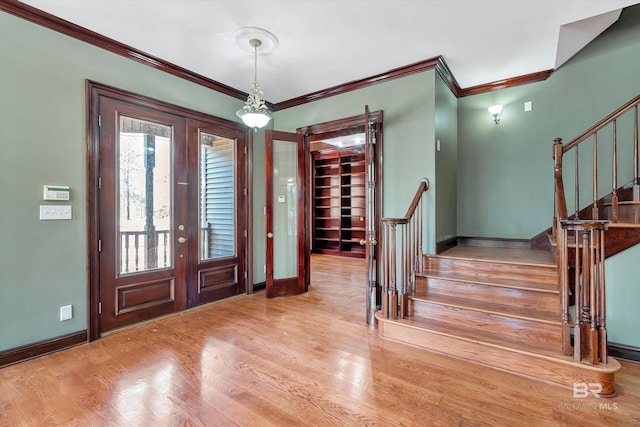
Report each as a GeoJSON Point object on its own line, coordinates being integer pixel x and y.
{"type": "Point", "coordinates": [66, 312]}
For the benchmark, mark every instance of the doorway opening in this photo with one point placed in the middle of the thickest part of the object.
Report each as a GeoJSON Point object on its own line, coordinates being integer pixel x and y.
{"type": "Point", "coordinates": [344, 182]}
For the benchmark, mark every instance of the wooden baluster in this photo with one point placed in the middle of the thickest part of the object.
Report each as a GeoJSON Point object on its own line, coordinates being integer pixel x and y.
{"type": "Point", "coordinates": [393, 292]}
{"type": "Point", "coordinates": [577, 185]}
{"type": "Point", "coordinates": [585, 318]}
{"type": "Point", "coordinates": [420, 235]}
{"type": "Point", "coordinates": [594, 211]}
{"type": "Point", "coordinates": [593, 300]}
{"type": "Point", "coordinates": [636, 158]}
{"type": "Point", "coordinates": [404, 270]}
{"type": "Point", "coordinates": [559, 211]}
{"type": "Point", "coordinates": [614, 172]}
{"type": "Point", "coordinates": [602, 322]}
{"type": "Point", "coordinates": [577, 289]}
{"type": "Point", "coordinates": [563, 245]}
{"type": "Point", "coordinates": [385, 269]}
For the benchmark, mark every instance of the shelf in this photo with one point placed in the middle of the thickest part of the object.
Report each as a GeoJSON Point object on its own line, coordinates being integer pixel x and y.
{"type": "Point", "coordinates": [339, 183]}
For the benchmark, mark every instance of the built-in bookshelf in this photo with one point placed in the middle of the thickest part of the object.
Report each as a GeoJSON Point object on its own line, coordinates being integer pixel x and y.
{"type": "Point", "coordinates": [339, 202]}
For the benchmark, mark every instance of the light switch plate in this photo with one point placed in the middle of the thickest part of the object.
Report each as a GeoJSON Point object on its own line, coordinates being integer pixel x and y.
{"type": "Point", "coordinates": [66, 312]}
{"type": "Point", "coordinates": [53, 212]}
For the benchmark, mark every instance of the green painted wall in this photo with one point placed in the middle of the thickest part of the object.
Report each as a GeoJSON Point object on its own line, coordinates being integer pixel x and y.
{"type": "Point", "coordinates": [505, 171]}
{"type": "Point", "coordinates": [408, 106]}
{"type": "Point", "coordinates": [501, 173]}
{"type": "Point", "coordinates": [622, 276]}
{"type": "Point", "coordinates": [595, 82]}
{"type": "Point", "coordinates": [446, 122]}
{"type": "Point", "coordinates": [42, 141]}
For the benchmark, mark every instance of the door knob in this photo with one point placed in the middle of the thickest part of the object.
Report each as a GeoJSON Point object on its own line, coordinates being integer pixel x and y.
{"type": "Point", "coordinates": [363, 242]}
{"type": "Point", "coordinates": [182, 239]}
{"type": "Point", "coordinates": [270, 235]}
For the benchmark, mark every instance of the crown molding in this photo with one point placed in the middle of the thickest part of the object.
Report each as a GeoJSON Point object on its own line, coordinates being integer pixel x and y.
{"type": "Point", "coordinates": [429, 64]}
{"type": "Point", "coordinates": [438, 63]}
{"type": "Point", "coordinates": [505, 83]}
{"type": "Point", "coordinates": [62, 26]}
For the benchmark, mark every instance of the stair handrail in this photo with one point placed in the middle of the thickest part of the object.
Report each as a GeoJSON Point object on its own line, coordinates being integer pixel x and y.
{"type": "Point", "coordinates": [587, 270]}
{"type": "Point", "coordinates": [402, 238]}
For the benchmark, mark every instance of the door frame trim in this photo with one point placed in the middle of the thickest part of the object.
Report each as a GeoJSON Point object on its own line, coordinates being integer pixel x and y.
{"type": "Point", "coordinates": [342, 127]}
{"type": "Point", "coordinates": [93, 92]}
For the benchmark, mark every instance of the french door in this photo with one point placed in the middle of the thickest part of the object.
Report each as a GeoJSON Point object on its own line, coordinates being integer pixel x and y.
{"type": "Point", "coordinates": [287, 257]}
{"type": "Point", "coordinates": [168, 217]}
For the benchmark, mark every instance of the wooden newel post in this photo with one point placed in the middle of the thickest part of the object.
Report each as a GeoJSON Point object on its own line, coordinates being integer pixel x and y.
{"type": "Point", "coordinates": [560, 208]}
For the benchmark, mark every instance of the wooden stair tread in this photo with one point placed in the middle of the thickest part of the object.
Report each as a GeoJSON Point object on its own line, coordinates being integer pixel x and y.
{"type": "Point", "coordinates": [529, 284]}
{"type": "Point", "coordinates": [490, 307]}
{"type": "Point", "coordinates": [624, 202]}
{"type": "Point", "coordinates": [623, 225]}
{"type": "Point", "coordinates": [545, 365]}
{"type": "Point", "coordinates": [535, 257]}
{"type": "Point", "coordinates": [484, 337]}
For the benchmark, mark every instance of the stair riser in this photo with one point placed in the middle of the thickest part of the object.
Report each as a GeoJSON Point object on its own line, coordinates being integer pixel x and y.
{"type": "Point", "coordinates": [522, 298]}
{"type": "Point", "coordinates": [489, 270]}
{"type": "Point", "coordinates": [626, 213]}
{"type": "Point", "coordinates": [542, 332]}
{"type": "Point", "coordinates": [556, 371]}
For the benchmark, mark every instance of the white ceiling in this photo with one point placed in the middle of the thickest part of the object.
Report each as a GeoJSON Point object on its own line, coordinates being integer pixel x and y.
{"type": "Point", "coordinates": [324, 43]}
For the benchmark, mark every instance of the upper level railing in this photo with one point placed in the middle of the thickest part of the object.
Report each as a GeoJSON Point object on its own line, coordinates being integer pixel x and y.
{"type": "Point", "coordinates": [580, 251]}
{"type": "Point", "coordinates": [402, 255]}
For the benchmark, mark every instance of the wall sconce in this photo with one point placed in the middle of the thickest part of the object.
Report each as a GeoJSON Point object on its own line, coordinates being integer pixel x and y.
{"type": "Point", "coordinates": [496, 112]}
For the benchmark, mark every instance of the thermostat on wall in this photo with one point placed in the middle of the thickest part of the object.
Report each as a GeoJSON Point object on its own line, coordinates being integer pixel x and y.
{"type": "Point", "coordinates": [56, 192]}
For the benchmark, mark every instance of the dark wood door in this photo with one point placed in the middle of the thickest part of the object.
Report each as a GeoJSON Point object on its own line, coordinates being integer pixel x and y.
{"type": "Point", "coordinates": [217, 218]}
{"type": "Point", "coordinates": [372, 213]}
{"type": "Point", "coordinates": [287, 257]}
{"type": "Point", "coordinates": [143, 213]}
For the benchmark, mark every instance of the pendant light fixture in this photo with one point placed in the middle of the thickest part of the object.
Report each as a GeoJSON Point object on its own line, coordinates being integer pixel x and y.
{"type": "Point", "coordinates": [255, 112]}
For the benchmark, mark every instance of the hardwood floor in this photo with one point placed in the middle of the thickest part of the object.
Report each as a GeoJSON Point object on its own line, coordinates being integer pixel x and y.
{"type": "Point", "coordinates": [291, 361]}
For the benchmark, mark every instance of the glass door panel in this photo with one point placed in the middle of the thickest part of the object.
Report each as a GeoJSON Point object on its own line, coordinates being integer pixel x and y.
{"type": "Point", "coordinates": [217, 196]}
{"type": "Point", "coordinates": [284, 210]}
{"type": "Point", "coordinates": [286, 254]}
{"type": "Point", "coordinates": [144, 195]}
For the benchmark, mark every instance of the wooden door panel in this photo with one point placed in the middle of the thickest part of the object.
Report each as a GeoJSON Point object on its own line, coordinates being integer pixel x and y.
{"type": "Point", "coordinates": [138, 296]}
{"type": "Point", "coordinates": [217, 243]}
{"type": "Point", "coordinates": [140, 254]}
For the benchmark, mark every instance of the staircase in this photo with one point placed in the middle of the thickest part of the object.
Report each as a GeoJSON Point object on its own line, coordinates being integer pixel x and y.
{"type": "Point", "coordinates": [498, 307]}
{"type": "Point", "coordinates": [537, 309]}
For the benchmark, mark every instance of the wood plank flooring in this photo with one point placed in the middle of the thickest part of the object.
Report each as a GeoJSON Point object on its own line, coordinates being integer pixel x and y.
{"type": "Point", "coordinates": [292, 361]}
